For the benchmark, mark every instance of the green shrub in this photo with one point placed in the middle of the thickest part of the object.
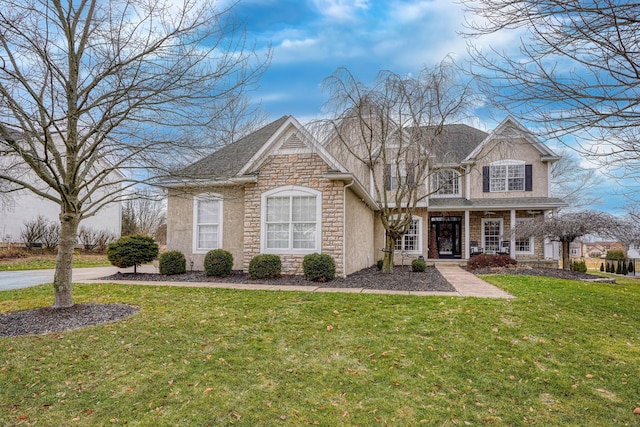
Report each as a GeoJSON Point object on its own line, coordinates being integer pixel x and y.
{"type": "Point", "coordinates": [601, 266]}
{"type": "Point", "coordinates": [319, 267]}
{"type": "Point", "coordinates": [265, 266]}
{"type": "Point", "coordinates": [486, 260]}
{"type": "Point", "coordinates": [608, 267]}
{"type": "Point", "coordinates": [132, 251]}
{"type": "Point", "coordinates": [630, 268]}
{"type": "Point", "coordinates": [579, 266]}
{"type": "Point", "coordinates": [615, 254]}
{"type": "Point", "coordinates": [418, 265]}
{"type": "Point", "coordinates": [624, 267]}
{"type": "Point", "coordinates": [218, 263]}
{"type": "Point", "coordinates": [380, 264]}
{"type": "Point", "coordinates": [172, 262]}
{"type": "Point", "coordinates": [619, 268]}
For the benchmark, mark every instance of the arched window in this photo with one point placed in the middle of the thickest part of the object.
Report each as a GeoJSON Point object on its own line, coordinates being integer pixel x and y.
{"type": "Point", "coordinates": [446, 182]}
{"type": "Point", "coordinates": [291, 220]}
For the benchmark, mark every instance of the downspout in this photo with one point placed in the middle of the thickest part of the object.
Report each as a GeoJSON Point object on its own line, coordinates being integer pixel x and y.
{"type": "Point", "coordinates": [344, 227]}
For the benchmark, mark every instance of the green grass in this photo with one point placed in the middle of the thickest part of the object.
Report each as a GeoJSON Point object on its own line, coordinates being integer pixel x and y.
{"type": "Point", "coordinates": [47, 261]}
{"type": "Point", "coordinates": [562, 353]}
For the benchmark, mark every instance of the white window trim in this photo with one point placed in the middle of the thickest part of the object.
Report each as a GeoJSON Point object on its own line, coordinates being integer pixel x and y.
{"type": "Point", "coordinates": [419, 250]}
{"type": "Point", "coordinates": [506, 178]}
{"type": "Point", "coordinates": [289, 191]}
{"type": "Point", "coordinates": [531, 241]}
{"type": "Point", "coordinates": [484, 221]}
{"type": "Point", "coordinates": [206, 197]}
{"type": "Point", "coordinates": [444, 196]}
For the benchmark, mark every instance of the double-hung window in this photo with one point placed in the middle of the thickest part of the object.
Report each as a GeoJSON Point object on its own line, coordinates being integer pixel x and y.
{"type": "Point", "coordinates": [410, 241]}
{"type": "Point", "coordinates": [291, 220]}
{"type": "Point", "coordinates": [446, 182]}
{"type": "Point", "coordinates": [507, 175]}
{"type": "Point", "coordinates": [491, 233]}
{"type": "Point", "coordinates": [524, 245]}
{"type": "Point", "coordinates": [207, 223]}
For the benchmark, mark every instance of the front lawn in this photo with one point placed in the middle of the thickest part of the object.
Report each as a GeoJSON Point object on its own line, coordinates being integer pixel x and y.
{"type": "Point", "coordinates": [39, 261]}
{"type": "Point", "coordinates": [561, 353]}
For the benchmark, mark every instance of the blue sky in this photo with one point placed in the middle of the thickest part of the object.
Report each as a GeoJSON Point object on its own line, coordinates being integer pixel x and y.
{"type": "Point", "coordinates": [310, 39]}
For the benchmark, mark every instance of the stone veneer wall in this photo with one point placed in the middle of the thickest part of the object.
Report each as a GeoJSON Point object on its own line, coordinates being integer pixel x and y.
{"type": "Point", "coordinates": [304, 170]}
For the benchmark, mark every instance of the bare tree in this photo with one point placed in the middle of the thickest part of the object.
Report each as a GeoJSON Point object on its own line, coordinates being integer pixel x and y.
{"type": "Point", "coordinates": [572, 182]}
{"type": "Point", "coordinates": [568, 226]}
{"type": "Point", "coordinates": [577, 70]}
{"type": "Point", "coordinates": [143, 213]}
{"type": "Point", "coordinates": [98, 95]}
{"type": "Point", "coordinates": [392, 129]}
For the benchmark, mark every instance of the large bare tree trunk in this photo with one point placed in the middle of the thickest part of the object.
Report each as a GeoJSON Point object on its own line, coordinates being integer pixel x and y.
{"type": "Point", "coordinates": [389, 249]}
{"type": "Point", "coordinates": [566, 263]}
{"type": "Point", "coordinates": [64, 263]}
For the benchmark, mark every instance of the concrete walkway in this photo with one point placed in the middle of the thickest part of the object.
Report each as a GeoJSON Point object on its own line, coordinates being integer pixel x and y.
{"type": "Point", "coordinates": [465, 283]}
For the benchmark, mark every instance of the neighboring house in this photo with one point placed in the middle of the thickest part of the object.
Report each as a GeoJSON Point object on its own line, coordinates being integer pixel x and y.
{"type": "Point", "coordinates": [279, 190]}
{"type": "Point", "coordinates": [599, 249]}
{"type": "Point", "coordinates": [21, 206]}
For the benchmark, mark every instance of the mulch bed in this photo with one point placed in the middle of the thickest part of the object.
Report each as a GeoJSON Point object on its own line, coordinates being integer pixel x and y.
{"type": "Point", "coordinates": [51, 320]}
{"type": "Point", "coordinates": [402, 279]}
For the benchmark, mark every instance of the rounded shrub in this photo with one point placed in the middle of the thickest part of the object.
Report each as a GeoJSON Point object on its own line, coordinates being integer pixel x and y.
{"type": "Point", "coordinates": [319, 267]}
{"type": "Point", "coordinates": [265, 266]}
{"type": "Point", "coordinates": [487, 261]}
{"type": "Point", "coordinates": [418, 265]}
{"type": "Point", "coordinates": [630, 267]}
{"type": "Point", "coordinates": [172, 262]}
{"type": "Point", "coordinates": [601, 266]}
{"type": "Point", "coordinates": [380, 264]}
{"type": "Point", "coordinates": [218, 263]}
{"type": "Point", "coordinates": [131, 251]}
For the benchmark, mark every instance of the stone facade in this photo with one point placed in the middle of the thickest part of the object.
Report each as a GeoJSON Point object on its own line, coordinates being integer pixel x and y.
{"type": "Point", "coordinates": [300, 170]}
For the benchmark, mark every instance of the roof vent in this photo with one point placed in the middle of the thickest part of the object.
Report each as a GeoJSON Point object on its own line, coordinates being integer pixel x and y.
{"type": "Point", "coordinates": [293, 143]}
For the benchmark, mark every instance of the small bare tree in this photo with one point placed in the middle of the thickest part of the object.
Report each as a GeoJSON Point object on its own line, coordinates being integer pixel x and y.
{"type": "Point", "coordinates": [143, 213]}
{"type": "Point", "coordinates": [392, 128]}
{"type": "Point", "coordinates": [568, 226]}
{"type": "Point", "coordinates": [33, 231]}
{"type": "Point", "coordinates": [576, 72]}
{"type": "Point", "coordinates": [99, 95]}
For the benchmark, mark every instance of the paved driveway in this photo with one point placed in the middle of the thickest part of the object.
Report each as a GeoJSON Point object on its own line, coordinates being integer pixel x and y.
{"type": "Point", "coordinates": [26, 278]}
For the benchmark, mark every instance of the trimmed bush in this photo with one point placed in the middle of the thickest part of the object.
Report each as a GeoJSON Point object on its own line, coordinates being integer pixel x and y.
{"type": "Point", "coordinates": [132, 251]}
{"type": "Point", "coordinates": [624, 267]}
{"type": "Point", "coordinates": [172, 262]}
{"type": "Point", "coordinates": [579, 266]}
{"type": "Point", "coordinates": [630, 268]}
{"type": "Point", "coordinates": [418, 265]}
{"type": "Point", "coordinates": [319, 267]}
{"type": "Point", "coordinates": [619, 268]}
{"type": "Point", "coordinates": [608, 268]}
{"type": "Point", "coordinates": [380, 264]}
{"type": "Point", "coordinates": [601, 266]}
{"type": "Point", "coordinates": [265, 266]}
{"type": "Point", "coordinates": [487, 260]}
{"type": "Point", "coordinates": [218, 263]}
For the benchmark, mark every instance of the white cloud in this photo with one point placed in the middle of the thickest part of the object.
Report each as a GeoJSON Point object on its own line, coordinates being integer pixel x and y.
{"type": "Point", "coordinates": [342, 10]}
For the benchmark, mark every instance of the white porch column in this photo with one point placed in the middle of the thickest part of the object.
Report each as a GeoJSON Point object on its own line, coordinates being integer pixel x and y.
{"type": "Point", "coordinates": [467, 227]}
{"type": "Point", "coordinates": [512, 250]}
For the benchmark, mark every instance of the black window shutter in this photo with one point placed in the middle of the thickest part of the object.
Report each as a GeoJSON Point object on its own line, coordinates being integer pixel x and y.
{"type": "Point", "coordinates": [528, 178]}
{"type": "Point", "coordinates": [485, 179]}
{"type": "Point", "coordinates": [387, 177]}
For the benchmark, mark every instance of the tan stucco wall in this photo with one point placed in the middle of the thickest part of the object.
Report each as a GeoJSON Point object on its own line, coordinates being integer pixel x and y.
{"type": "Point", "coordinates": [180, 223]}
{"type": "Point", "coordinates": [359, 235]}
{"type": "Point", "coordinates": [518, 149]}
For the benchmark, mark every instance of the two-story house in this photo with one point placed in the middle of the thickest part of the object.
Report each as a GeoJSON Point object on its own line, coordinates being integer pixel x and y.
{"type": "Point", "coordinates": [279, 190]}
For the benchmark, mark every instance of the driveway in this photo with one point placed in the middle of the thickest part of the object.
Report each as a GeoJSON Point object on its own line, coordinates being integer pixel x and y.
{"type": "Point", "coordinates": [25, 278]}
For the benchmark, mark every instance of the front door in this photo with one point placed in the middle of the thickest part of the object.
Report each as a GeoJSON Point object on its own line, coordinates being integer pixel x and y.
{"type": "Point", "coordinates": [447, 236]}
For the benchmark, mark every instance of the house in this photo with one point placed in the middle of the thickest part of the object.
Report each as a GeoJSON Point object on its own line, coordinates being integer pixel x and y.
{"type": "Point", "coordinates": [279, 190]}
{"type": "Point", "coordinates": [597, 249]}
{"type": "Point", "coordinates": [21, 206]}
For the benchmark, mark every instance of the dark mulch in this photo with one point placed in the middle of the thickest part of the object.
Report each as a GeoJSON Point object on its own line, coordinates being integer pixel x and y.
{"type": "Point", "coordinates": [402, 279]}
{"type": "Point", "coordinates": [51, 320]}
{"type": "Point", "coordinates": [525, 270]}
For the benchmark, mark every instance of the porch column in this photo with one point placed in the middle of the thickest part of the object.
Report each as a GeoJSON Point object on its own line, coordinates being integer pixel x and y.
{"type": "Point", "coordinates": [512, 249]}
{"type": "Point", "coordinates": [466, 234]}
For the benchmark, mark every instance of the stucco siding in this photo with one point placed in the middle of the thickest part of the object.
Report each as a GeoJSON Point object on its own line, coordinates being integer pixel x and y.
{"type": "Point", "coordinates": [359, 235]}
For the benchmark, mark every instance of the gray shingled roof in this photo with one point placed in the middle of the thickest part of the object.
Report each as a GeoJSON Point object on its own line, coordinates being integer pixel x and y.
{"type": "Point", "coordinates": [456, 142]}
{"type": "Point", "coordinates": [230, 159]}
{"type": "Point", "coordinates": [501, 203]}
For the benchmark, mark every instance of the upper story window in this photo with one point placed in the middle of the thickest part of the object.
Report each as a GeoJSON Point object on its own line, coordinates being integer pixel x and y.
{"type": "Point", "coordinates": [446, 182]}
{"type": "Point", "coordinates": [398, 174]}
{"type": "Point", "coordinates": [207, 223]}
{"type": "Point", "coordinates": [291, 220]}
{"type": "Point", "coordinates": [507, 175]}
